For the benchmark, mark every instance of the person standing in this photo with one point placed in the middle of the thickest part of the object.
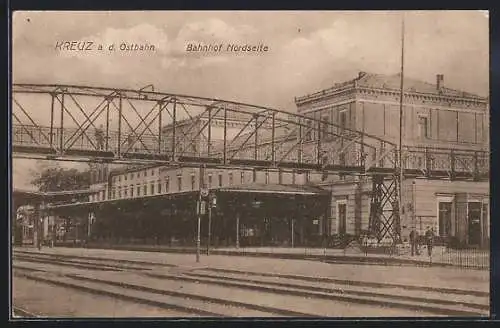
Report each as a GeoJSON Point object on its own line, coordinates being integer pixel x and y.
{"type": "Point", "coordinates": [413, 242]}
{"type": "Point", "coordinates": [429, 240]}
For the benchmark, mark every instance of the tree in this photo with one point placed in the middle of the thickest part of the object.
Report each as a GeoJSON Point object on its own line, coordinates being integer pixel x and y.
{"type": "Point", "coordinates": [58, 178]}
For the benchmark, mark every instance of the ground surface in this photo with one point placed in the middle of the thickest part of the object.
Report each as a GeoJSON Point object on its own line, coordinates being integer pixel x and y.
{"type": "Point", "coordinates": [172, 278]}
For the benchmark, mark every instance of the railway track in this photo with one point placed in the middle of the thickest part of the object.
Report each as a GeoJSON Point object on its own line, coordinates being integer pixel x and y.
{"type": "Point", "coordinates": [18, 312]}
{"type": "Point", "coordinates": [144, 285]}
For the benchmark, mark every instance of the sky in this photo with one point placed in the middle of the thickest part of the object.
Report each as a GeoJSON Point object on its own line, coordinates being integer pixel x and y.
{"type": "Point", "coordinates": [308, 51]}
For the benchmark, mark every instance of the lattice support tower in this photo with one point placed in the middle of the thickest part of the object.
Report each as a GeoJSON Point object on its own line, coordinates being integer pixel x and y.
{"type": "Point", "coordinates": [385, 220]}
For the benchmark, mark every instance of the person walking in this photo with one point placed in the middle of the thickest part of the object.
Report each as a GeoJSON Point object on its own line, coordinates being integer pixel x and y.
{"type": "Point", "coordinates": [429, 239]}
{"type": "Point", "coordinates": [99, 137]}
{"type": "Point", "coordinates": [130, 142]}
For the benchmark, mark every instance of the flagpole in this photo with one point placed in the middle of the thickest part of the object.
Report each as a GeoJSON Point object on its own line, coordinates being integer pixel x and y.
{"type": "Point", "coordinates": [401, 99]}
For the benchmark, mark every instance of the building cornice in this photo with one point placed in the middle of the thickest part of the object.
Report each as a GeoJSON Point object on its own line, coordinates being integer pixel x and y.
{"type": "Point", "coordinates": [414, 95]}
{"type": "Point", "coordinates": [352, 88]}
{"type": "Point", "coordinates": [347, 87]}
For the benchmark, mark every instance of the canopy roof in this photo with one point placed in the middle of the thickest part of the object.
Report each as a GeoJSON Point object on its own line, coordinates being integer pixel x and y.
{"type": "Point", "coordinates": [276, 189]}
{"type": "Point", "coordinates": [31, 196]}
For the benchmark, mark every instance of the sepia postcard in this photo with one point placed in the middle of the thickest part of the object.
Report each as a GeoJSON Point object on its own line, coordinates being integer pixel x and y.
{"type": "Point", "coordinates": [257, 164]}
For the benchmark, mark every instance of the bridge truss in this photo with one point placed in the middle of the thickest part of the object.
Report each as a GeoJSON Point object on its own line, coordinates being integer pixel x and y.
{"type": "Point", "coordinates": [80, 123]}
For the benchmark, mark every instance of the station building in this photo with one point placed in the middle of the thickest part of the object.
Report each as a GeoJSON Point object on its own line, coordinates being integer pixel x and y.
{"type": "Point", "coordinates": [276, 207]}
{"type": "Point", "coordinates": [434, 117]}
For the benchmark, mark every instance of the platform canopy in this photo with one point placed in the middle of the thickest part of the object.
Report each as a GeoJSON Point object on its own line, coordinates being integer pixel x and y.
{"type": "Point", "coordinates": [24, 197]}
{"type": "Point", "coordinates": [124, 202]}
{"type": "Point", "coordinates": [282, 189]}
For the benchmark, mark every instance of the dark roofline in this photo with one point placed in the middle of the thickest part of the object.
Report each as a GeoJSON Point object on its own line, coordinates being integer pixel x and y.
{"type": "Point", "coordinates": [53, 193]}
{"type": "Point", "coordinates": [251, 188]}
{"type": "Point", "coordinates": [275, 188]}
{"type": "Point", "coordinates": [123, 200]}
{"type": "Point", "coordinates": [351, 84]}
{"type": "Point", "coordinates": [116, 172]}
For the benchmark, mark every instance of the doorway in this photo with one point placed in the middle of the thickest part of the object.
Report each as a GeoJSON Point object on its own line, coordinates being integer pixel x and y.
{"type": "Point", "coordinates": [474, 218]}
{"type": "Point", "coordinates": [342, 217]}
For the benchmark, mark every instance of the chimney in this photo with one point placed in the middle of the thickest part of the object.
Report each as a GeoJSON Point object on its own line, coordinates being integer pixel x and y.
{"type": "Point", "coordinates": [439, 82]}
{"type": "Point", "coordinates": [361, 74]}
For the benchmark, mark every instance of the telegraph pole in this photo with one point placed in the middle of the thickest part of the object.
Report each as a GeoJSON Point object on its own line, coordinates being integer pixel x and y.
{"type": "Point", "coordinates": [401, 100]}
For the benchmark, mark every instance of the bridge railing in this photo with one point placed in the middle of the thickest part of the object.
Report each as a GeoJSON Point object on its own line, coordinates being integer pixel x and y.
{"type": "Point", "coordinates": [331, 151]}
{"type": "Point", "coordinates": [441, 159]}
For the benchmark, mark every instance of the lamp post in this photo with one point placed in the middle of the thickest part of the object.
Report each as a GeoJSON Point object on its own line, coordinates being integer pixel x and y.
{"type": "Point", "coordinates": [200, 210]}
{"type": "Point", "coordinates": [211, 203]}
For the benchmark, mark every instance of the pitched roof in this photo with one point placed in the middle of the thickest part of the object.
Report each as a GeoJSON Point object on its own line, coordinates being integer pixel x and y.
{"type": "Point", "coordinates": [393, 83]}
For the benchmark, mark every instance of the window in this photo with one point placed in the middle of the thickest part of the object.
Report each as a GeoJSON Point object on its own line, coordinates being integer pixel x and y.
{"type": "Point", "coordinates": [193, 182]}
{"type": "Point", "coordinates": [242, 177]}
{"type": "Point", "coordinates": [324, 127]}
{"type": "Point", "coordinates": [125, 192]}
{"type": "Point", "coordinates": [341, 217]}
{"type": "Point", "coordinates": [131, 191]}
{"type": "Point", "coordinates": [119, 193]}
{"type": "Point", "coordinates": [209, 181]}
{"type": "Point", "coordinates": [167, 185]}
{"type": "Point", "coordinates": [343, 119]}
{"type": "Point", "coordinates": [131, 176]}
{"type": "Point", "coordinates": [220, 180]}
{"type": "Point", "coordinates": [307, 128]}
{"type": "Point", "coordinates": [152, 187]}
{"type": "Point", "coordinates": [125, 177]}
{"type": "Point", "coordinates": [280, 177]}
{"type": "Point", "coordinates": [230, 178]}
{"type": "Point", "coordinates": [159, 186]}
{"type": "Point", "coordinates": [423, 126]}
{"type": "Point", "coordinates": [119, 178]}
{"type": "Point", "coordinates": [267, 177]}
{"type": "Point", "coordinates": [444, 218]}
{"type": "Point", "coordinates": [179, 183]}
{"type": "Point", "coordinates": [145, 173]}
{"type": "Point", "coordinates": [342, 159]}
{"type": "Point", "coordinates": [152, 172]}
{"type": "Point", "coordinates": [114, 193]}
{"type": "Point", "coordinates": [97, 197]}
{"type": "Point", "coordinates": [145, 188]}
{"type": "Point", "coordinates": [138, 190]}
{"type": "Point", "coordinates": [474, 222]}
